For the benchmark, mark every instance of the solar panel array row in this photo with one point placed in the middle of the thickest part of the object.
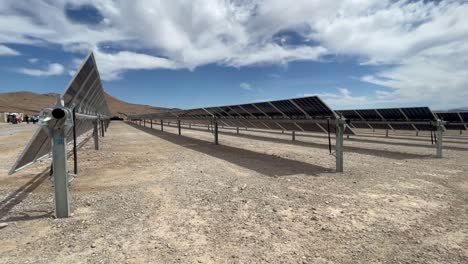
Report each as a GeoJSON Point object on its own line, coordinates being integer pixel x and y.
{"type": "Point", "coordinates": [455, 120]}
{"type": "Point", "coordinates": [412, 118]}
{"type": "Point", "coordinates": [308, 114]}
{"type": "Point", "coordinates": [86, 95]}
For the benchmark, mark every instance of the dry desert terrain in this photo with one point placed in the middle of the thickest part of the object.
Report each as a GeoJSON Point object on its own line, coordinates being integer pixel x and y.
{"type": "Point", "coordinates": [156, 197]}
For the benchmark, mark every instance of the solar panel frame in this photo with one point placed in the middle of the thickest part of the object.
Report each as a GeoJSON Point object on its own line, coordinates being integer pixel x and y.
{"type": "Point", "coordinates": [86, 96]}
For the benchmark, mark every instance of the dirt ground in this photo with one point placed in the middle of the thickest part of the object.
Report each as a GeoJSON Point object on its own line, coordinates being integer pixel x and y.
{"type": "Point", "coordinates": [156, 197]}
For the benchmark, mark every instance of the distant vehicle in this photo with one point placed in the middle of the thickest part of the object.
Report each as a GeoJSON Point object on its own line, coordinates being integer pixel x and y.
{"type": "Point", "coordinates": [117, 118]}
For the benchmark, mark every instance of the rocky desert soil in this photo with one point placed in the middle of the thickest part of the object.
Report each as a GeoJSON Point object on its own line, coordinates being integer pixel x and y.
{"type": "Point", "coordinates": [156, 197]}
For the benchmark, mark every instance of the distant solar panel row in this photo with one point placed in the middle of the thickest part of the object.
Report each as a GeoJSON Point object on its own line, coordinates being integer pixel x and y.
{"type": "Point", "coordinates": [455, 120]}
{"type": "Point", "coordinates": [414, 118]}
{"type": "Point", "coordinates": [308, 114]}
{"type": "Point", "coordinates": [86, 95]}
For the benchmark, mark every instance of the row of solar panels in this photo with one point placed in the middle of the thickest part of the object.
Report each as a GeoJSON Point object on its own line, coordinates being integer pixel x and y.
{"type": "Point", "coordinates": [413, 118]}
{"type": "Point", "coordinates": [308, 114]}
{"type": "Point", "coordinates": [291, 109]}
{"type": "Point", "coordinates": [86, 95]}
{"type": "Point", "coordinates": [455, 120]}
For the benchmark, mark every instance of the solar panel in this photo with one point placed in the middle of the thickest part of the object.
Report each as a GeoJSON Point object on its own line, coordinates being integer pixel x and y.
{"type": "Point", "coordinates": [418, 113]}
{"type": "Point", "coordinates": [269, 110]}
{"type": "Point", "coordinates": [454, 120]}
{"type": "Point", "coordinates": [85, 94]}
{"type": "Point", "coordinates": [410, 118]}
{"type": "Point", "coordinates": [392, 114]}
{"type": "Point", "coordinates": [289, 109]}
{"type": "Point", "coordinates": [314, 107]}
{"type": "Point", "coordinates": [369, 114]}
{"type": "Point", "coordinates": [464, 116]}
{"type": "Point", "coordinates": [452, 117]}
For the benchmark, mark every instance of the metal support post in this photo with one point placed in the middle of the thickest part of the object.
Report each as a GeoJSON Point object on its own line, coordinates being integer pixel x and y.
{"type": "Point", "coordinates": [216, 132]}
{"type": "Point", "coordinates": [339, 144]}
{"type": "Point", "coordinates": [190, 125]}
{"type": "Point", "coordinates": [461, 132]}
{"type": "Point", "coordinates": [151, 123]}
{"type": "Point", "coordinates": [144, 122]}
{"type": "Point", "coordinates": [75, 156]}
{"type": "Point", "coordinates": [440, 132]}
{"type": "Point", "coordinates": [282, 131]}
{"type": "Point", "coordinates": [294, 135]}
{"type": "Point", "coordinates": [102, 128]}
{"type": "Point", "coordinates": [162, 126]}
{"type": "Point", "coordinates": [178, 126]}
{"type": "Point", "coordinates": [96, 135]}
{"type": "Point", "coordinates": [417, 133]}
{"type": "Point", "coordinates": [57, 131]}
{"type": "Point", "coordinates": [59, 164]}
{"type": "Point", "coordinates": [386, 132]}
{"type": "Point", "coordinates": [237, 130]}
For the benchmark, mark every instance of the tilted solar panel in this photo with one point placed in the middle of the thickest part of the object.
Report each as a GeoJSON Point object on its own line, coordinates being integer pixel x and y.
{"type": "Point", "coordinates": [269, 110]}
{"type": "Point", "coordinates": [391, 114]}
{"type": "Point", "coordinates": [464, 116]}
{"type": "Point", "coordinates": [369, 114]}
{"type": "Point", "coordinates": [314, 107]}
{"type": "Point", "coordinates": [289, 109]}
{"type": "Point", "coordinates": [450, 116]}
{"type": "Point", "coordinates": [418, 113]}
{"type": "Point", "coordinates": [85, 94]}
{"type": "Point", "coordinates": [349, 114]}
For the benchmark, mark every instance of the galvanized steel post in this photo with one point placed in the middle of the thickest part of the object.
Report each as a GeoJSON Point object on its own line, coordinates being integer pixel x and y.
{"type": "Point", "coordinates": [340, 125]}
{"type": "Point", "coordinates": [59, 164]}
{"type": "Point", "coordinates": [96, 135]}
{"type": "Point", "coordinates": [178, 126]}
{"type": "Point", "coordinates": [162, 126]}
{"type": "Point", "coordinates": [440, 132]}
{"type": "Point", "coordinates": [294, 135]}
{"type": "Point", "coordinates": [215, 132]}
{"type": "Point", "coordinates": [102, 128]}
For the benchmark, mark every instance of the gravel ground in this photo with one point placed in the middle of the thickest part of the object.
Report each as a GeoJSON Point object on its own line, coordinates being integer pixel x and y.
{"type": "Point", "coordinates": [153, 197]}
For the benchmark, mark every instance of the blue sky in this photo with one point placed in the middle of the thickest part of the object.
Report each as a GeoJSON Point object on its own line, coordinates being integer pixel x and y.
{"type": "Point", "coordinates": [208, 52]}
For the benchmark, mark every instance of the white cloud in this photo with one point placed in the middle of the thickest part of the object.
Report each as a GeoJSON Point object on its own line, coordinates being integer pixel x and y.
{"type": "Point", "coordinates": [111, 66]}
{"type": "Point", "coordinates": [246, 86]}
{"type": "Point", "coordinates": [342, 99]}
{"type": "Point", "coordinates": [52, 69]}
{"type": "Point", "coordinates": [33, 60]}
{"type": "Point", "coordinates": [6, 51]}
{"type": "Point", "coordinates": [424, 42]}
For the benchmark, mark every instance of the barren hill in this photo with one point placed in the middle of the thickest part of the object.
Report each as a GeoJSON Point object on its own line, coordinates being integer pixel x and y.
{"type": "Point", "coordinates": [32, 103]}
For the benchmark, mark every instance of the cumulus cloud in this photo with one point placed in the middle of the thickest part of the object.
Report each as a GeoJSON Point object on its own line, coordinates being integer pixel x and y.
{"type": "Point", "coordinates": [245, 86]}
{"type": "Point", "coordinates": [52, 69]}
{"type": "Point", "coordinates": [422, 44]}
{"type": "Point", "coordinates": [6, 51]}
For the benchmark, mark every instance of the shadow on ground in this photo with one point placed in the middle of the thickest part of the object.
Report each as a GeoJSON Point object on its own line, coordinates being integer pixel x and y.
{"type": "Point", "coordinates": [16, 197]}
{"type": "Point", "coordinates": [371, 152]}
{"type": "Point", "coordinates": [265, 164]}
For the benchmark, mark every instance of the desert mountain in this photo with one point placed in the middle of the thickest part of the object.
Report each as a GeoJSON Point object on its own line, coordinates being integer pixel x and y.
{"type": "Point", "coordinates": [31, 103]}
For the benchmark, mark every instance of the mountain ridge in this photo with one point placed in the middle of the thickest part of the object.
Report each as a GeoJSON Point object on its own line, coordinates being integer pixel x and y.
{"type": "Point", "coordinates": [31, 103]}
